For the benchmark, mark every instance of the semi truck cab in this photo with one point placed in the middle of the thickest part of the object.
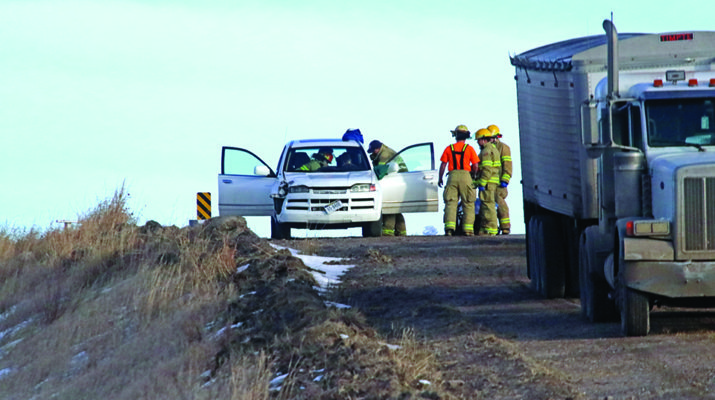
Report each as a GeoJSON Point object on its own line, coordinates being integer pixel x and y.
{"type": "Point", "coordinates": [625, 219]}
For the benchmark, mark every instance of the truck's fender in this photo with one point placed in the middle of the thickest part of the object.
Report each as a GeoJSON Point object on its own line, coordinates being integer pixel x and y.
{"type": "Point", "coordinates": [642, 248]}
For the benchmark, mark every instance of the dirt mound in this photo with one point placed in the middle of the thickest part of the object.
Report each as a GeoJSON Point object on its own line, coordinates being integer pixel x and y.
{"type": "Point", "coordinates": [322, 352]}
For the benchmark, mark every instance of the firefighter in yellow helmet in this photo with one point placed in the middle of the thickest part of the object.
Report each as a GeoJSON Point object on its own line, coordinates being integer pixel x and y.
{"type": "Point", "coordinates": [380, 154]}
{"type": "Point", "coordinates": [321, 159]}
{"type": "Point", "coordinates": [462, 161]}
{"type": "Point", "coordinates": [487, 182]}
{"type": "Point", "coordinates": [504, 178]}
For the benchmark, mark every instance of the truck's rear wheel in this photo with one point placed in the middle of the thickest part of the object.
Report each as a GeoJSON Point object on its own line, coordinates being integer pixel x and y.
{"type": "Point", "coordinates": [635, 312]}
{"type": "Point", "coordinates": [532, 245]}
{"type": "Point", "coordinates": [596, 306]}
{"type": "Point", "coordinates": [553, 269]}
{"type": "Point", "coordinates": [546, 266]}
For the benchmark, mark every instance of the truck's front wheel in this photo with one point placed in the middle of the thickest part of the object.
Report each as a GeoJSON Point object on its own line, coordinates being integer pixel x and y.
{"type": "Point", "coordinates": [596, 306]}
{"type": "Point", "coordinates": [635, 312]}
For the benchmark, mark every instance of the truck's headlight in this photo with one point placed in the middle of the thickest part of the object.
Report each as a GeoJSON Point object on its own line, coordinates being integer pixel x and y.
{"type": "Point", "coordinates": [658, 227]}
{"type": "Point", "coordinates": [298, 189]}
{"type": "Point", "coordinates": [363, 187]}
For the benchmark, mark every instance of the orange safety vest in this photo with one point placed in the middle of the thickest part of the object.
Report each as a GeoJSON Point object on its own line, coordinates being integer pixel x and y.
{"type": "Point", "coordinates": [457, 161]}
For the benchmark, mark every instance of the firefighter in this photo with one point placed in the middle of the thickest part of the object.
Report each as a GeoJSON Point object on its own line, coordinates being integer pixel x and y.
{"type": "Point", "coordinates": [321, 159]}
{"type": "Point", "coordinates": [504, 177]}
{"type": "Point", "coordinates": [462, 161]}
{"type": "Point", "coordinates": [487, 182]}
{"type": "Point", "coordinates": [380, 154]}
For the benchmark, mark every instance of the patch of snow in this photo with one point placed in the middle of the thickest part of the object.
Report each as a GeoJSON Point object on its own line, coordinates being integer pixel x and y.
{"type": "Point", "coordinates": [242, 268]}
{"type": "Point", "coordinates": [392, 346]}
{"type": "Point", "coordinates": [13, 330]}
{"type": "Point", "coordinates": [430, 231]}
{"type": "Point", "coordinates": [318, 378]}
{"type": "Point", "coordinates": [275, 383]}
{"type": "Point", "coordinates": [328, 274]}
{"type": "Point", "coordinates": [336, 305]}
{"type": "Point", "coordinates": [7, 313]}
{"type": "Point", "coordinates": [425, 382]}
{"type": "Point", "coordinates": [344, 336]}
{"type": "Point", "coordinates": [5, 372]}
{"type": "Point", "coordinates": [247, 294]}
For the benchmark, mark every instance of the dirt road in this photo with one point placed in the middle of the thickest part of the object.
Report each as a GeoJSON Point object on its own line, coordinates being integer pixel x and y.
{"type": "Point", "coordinates": [469, 298]}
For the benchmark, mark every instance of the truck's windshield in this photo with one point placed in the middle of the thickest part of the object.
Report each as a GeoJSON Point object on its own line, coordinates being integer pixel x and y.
{"type": "Point", "coordinates": [680, 122]}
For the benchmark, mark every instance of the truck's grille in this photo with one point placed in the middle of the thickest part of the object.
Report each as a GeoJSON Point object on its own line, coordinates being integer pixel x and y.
{"type": "Point", "coordinates": [699, 213]}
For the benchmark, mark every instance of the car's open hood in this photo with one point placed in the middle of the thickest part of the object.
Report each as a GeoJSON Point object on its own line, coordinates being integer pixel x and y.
{"type": "Point", "coordinates": [330, 179]}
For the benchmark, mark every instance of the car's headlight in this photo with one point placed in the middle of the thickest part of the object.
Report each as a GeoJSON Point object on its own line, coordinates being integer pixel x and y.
{"type": "Point", "coordinates": [363, 187]}
{"type": "Point", "coordinates": [298, 189]}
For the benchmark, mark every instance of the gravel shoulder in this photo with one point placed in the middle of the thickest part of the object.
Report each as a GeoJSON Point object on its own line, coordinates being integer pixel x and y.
{"type": "Point", "coordinates": [469, 300]}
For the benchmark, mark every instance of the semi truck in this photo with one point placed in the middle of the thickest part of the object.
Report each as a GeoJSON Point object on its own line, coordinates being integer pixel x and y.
{"type": "Point", "coordinates": [617, 140]}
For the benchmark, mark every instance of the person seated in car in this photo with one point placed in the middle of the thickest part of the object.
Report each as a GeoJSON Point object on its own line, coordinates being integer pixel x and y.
{"type": "Point", "coordinates": [321, 159]}
{"type": "Point", "coordinates": [345, 162]}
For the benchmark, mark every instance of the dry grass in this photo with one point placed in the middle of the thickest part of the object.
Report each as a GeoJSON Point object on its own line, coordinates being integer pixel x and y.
{"type": "Point", "coordinates": [107, 309]}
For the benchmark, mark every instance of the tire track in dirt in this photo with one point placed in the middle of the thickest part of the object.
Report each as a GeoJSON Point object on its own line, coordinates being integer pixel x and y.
{"type": "Point", "coordinates": [450, 289]}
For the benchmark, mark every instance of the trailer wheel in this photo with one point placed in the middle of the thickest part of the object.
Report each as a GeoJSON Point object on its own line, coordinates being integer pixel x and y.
{"type": "Point", "coordinates": [596, 306]}
{"type": "Point", "coordinates": [553, 268]}
{"type": "Point", "coordinates": [533, 267]}
{"type": "Point", "coordinates": [571, 261]}
{"type": "Point", "coordinates": [635, 312]}
{"type": "Point", "coordinates": [278, 230]}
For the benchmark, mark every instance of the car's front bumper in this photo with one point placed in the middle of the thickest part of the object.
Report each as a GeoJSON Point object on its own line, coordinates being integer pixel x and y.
{"type": "Point", "coordinates": [310, 209]}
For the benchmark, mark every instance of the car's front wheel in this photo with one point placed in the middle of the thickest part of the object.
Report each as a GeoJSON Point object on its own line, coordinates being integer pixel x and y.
{"type": "Point", "coordinates": [278, 230]}
{"type": "Point", "coordinates": [372, 229]}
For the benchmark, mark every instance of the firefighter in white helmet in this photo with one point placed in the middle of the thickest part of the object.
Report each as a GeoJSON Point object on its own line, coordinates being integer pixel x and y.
{"type": "Point", "coordinates": [462, 161]}
{"type": "Point", "coordinates": [504, 178]}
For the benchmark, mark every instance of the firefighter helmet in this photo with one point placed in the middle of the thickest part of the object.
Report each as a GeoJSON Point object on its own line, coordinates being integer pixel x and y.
{"type": "Point", "coordinates": [483, 134]}
{"type": "Point", "coordinates": [326, 153]}
{"type": "Point", "coordinates": [461, 130]}
{"type": "Point", "coordinates": [494, 130]}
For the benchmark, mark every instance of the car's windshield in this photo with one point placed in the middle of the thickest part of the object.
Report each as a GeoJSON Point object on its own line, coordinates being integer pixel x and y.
{"type": "Point", "coordinates": [680, 122]}
{"type": "Point", "coordinates": [326, 159]}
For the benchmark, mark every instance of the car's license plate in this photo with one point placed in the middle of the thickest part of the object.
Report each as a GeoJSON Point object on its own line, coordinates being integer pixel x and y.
{"type": "Point", "coordinates": [334, 205]}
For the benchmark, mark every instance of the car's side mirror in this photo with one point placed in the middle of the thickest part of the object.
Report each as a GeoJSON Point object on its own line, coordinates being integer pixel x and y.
{"type": "Point", "coordinates": [261, 170]}
{"type": "Point", "coordinates": [392, 168]}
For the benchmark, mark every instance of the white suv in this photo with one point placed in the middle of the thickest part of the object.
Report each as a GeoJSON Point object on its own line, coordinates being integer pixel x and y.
{"type": "Point", "coordinates": [342, 192]}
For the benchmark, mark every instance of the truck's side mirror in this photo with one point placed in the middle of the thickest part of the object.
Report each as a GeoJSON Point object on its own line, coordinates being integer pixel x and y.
{"type": "Point", "coordinates": [590, 130]}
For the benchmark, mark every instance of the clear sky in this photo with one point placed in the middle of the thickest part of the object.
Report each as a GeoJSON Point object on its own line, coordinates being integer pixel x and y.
{"type": "Point", "coordinates": [98, 93]}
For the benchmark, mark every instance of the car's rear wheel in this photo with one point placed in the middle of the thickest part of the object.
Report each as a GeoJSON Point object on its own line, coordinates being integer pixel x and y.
{"type": "Point", "coordinates": [372, 229]}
